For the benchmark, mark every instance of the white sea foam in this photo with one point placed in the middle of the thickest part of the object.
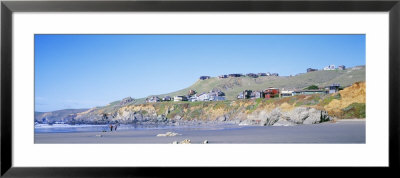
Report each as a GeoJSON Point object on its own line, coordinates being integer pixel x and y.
{"type": "Point", "coordinates": [65, 126]}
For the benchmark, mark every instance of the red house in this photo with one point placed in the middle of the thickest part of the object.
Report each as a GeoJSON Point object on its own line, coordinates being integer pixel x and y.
{"type": "Point", "coordinates": [271, 93]}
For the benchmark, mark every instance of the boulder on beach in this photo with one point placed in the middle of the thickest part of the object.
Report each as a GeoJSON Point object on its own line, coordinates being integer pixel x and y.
{"type": "Point", "coordinates": [186, 141]}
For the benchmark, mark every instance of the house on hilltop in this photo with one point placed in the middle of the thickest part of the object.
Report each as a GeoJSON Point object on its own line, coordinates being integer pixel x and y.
{"type": "Point", "coordinates": [311, 70]}
{"type": "Point", "coordinates": [235, 75]}
{"type": "Point", "coordinates": [342, 67]}
{"type": "Point", "coordinates": [223, 76]}
{"type": "Point", "coordinates": [252, 75]}
{"type": "Point", "coordinates": [262, 74]}
{"type": "Point", "coordinates": [204, 77]}
{"type": "Point", "coordinates": [330, 67]}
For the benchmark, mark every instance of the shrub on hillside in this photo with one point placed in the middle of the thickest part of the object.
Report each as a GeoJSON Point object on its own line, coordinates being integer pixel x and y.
{"type": "Point", "coordinates": [354, 110]}
{"type": "Point", "coordinates": [312, 87]}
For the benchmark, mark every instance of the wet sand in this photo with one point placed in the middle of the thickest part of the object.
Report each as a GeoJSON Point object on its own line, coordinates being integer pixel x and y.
{"type": "Point", "coordinates": [344, 131]}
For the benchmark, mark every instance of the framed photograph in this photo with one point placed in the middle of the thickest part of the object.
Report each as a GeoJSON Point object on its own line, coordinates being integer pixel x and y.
{"type": "Point", "coordinates": [111, 88]}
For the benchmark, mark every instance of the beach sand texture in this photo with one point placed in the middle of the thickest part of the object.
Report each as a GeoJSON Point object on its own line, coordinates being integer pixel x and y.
{"type": "Point", "coordinates": [343, 131]}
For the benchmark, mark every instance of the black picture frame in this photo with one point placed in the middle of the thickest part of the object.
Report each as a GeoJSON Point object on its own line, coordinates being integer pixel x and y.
{"type": "Point", "coordinates": [8, 7]}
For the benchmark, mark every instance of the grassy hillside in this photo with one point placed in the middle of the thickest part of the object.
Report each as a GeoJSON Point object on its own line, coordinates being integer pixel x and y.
{"type": "Point", "coordinates": [56, 115]}
{"type": "Point", "coordinates": [347, 103]}
{"type": "Point", "coordinates": [336, 106]}
{"type": "Point", "coordinates": [232, 86]}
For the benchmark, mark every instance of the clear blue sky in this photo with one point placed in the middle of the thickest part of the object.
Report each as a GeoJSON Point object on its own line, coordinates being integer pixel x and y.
{"type": "Point", "coordinates": [84, 71]}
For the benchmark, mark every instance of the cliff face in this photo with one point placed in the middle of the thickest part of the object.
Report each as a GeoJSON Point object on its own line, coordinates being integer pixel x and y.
{"type": "Point", "coordinates": [301, 109]}
{"type": "Point", "coordinates": [351, 103]}
{"type": "Point", "coordinates": [245, 112]}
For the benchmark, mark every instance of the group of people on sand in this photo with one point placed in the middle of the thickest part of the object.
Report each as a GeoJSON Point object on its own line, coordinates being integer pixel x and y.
{"type": "Point", "coordinates": [113, 127]}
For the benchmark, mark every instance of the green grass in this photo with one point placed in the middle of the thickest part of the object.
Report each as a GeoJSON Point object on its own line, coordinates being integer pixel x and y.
{"type": "Point", "coordinates": [222, 105]}
{"type": "Point", "coordinates": [354, 110]}
{"type": "Point", "coordinates": [160, 108]}
{"type": "Point", "coordinates": [309, 100]}
{"type": "Point", "coordinates": [196, 103]}
{"type": "Point", "coordinates": [326, 100]}
{"type": "Point", "coordinates": [251, 108]}
{"type": "Point", "coordinates": [195, 114]}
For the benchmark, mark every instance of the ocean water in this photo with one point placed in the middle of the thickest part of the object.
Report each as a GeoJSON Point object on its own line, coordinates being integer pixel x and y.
{"type": "Point", "coordinates": [66, 128]}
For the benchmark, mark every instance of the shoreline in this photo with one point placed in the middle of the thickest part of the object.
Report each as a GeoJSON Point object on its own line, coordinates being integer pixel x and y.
{"type": "Point", "coordinates": [342, 131]}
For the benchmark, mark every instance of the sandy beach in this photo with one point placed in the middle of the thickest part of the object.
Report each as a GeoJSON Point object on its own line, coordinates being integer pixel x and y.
{"type": "Point", "coordinates": [343, 131]}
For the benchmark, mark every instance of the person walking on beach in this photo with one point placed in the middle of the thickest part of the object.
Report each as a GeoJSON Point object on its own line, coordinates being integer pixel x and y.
{"type": "Point", "coordinates": [115, 127]}
{"type": "Point", "coordinates": [111, 127]}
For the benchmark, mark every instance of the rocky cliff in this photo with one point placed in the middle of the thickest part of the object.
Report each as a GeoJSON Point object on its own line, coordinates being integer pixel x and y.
{"type": "Point", "coordinates": [301, 109]}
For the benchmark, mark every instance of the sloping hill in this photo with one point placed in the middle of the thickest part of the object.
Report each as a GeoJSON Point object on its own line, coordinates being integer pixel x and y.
{"type": "Point", "coordinates": [232, 86]}
{"type": "Point", "coordinates": [299, 109]}
{"type": "Point", "coordinates": [56, 116]}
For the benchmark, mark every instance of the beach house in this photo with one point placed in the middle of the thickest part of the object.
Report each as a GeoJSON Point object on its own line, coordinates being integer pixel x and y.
{"type": "Point", "coordinates": [271, 93]}
{"type": "Point", "coordinates": [308, 92]}
{"type": "Point", "coordinates": [286, 93]}
{"type": "Point", "coordinates": [166, 98]}
{"type": "Point", "coordinates": [334, 88]}
{"type": "Point", "coordinates": [153, 99]}
{"type": "Point", "coordinates": [257, 94]}
{"type": "Point", "coordinates": [246, 94]}
{"type": "Point", "coordinates": [180, 98]}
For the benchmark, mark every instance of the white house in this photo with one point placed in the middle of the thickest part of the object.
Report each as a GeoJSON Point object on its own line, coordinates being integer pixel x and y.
{"type": "Point", "coordinates": [286, 93]}
{"type": "Point", "coordinates": [217, 98]}
{"type": "Point", "coordinates": [180, 98]}
{"type": "Point", "coordinates": [203, 97]}
{"type": "Point", "coordinates": [330, 67]}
